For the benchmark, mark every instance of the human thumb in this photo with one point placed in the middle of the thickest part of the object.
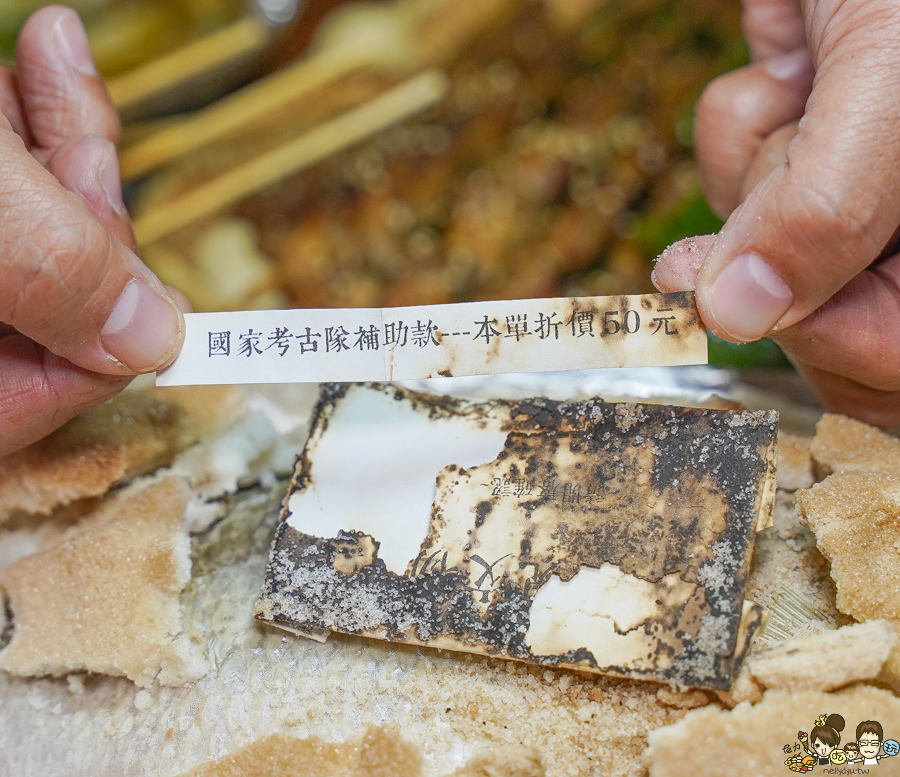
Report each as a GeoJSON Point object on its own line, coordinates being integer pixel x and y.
{"type": "Point", "coordinates": [824, 215]}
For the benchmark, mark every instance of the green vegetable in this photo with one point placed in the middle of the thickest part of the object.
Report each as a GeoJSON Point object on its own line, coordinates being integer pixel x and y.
{"type": "Point", "coordinates": [759, 355]}
{"type": "Point", "coordinates": [691, 217]}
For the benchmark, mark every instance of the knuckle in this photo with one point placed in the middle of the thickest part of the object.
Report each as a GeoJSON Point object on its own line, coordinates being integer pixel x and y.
{"type": "Point", "coordinates": [855, 334]}
{"type": "Point", "coordinates": [725, 101]}
{"type": "Point", "coordinates": [719, 149]}
{"type": "Point", "coordinates": [882, 345]}
{"type": "Point", "coordinates": [712, 104]}
{"type": "Point", "coordinates": [57, 266]}
{"type": "Point", "coordinates": [62, 105]}
{"type": "Point", "coordinates": [49, 105]}
{"type": "Point", "coordinates": [835, 218]}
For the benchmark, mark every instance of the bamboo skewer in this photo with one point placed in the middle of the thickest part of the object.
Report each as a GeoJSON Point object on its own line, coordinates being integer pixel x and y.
{"type": "Point", "coordinates": [363, 37]}
{"type": "Point", "coordinates": [235, 41]}
{"type": "Point", "coordinates": [396, 104]}
{"type": "Point", "coordinates": [397, 36]}
{"type": "Point", "coordinates": [231, 113]}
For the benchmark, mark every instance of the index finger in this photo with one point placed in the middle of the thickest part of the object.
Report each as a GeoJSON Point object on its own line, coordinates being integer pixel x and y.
{"type": "Point", "coordinates": [62, 93]}
{"type": "Point", "coordinates": [773, 27]}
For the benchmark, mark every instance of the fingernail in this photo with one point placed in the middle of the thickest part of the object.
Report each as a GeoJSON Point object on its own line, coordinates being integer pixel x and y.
{"type": "Point", "coordinates": [183, 302]}
{"type": "Point", "coordinates": [142, 330]}
{"type": "Point", "coordinates": [790, 66]}
{"type": "Point", "coordinates": [111, 180]}
{"type": "Point", "coordinates": [747, 298]}
{"type": "Point", "coordinates": [73, 43]}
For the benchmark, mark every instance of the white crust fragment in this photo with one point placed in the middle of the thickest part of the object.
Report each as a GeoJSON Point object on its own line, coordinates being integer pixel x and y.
{"type": "Point", "coordinates": [106, 599]}
{"type": "Point", "coordinates": [752, 738]}
{"type": "Point", "coordinates": [825, 661]}
{"type": "Point", "coordinates": [795, 464]}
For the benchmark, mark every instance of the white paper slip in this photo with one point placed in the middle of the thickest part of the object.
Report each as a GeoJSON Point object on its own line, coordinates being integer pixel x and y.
{"type": "Point", "coordinates": [427, 341]}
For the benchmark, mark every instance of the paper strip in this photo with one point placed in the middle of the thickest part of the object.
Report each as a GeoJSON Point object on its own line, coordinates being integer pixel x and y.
{"type": "Point", "coordinates": [411, 343]}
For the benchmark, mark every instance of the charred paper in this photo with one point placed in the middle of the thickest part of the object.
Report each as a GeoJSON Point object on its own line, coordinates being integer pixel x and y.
{"type": "Point", "coordinates": [427, 341]}
{"type": "Point", "coordinates": [613, 538]}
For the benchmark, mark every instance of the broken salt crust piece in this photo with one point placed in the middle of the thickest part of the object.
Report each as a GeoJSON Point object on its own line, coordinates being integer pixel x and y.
{"type": "Point", "coordinates": [825, 661]}
{"type": "Point", "coordinates": [854, 518]}
{"type": "Point", "coordinates": [106, 598]}
{"type": "Point", "coordinates": [215, 466]}
{"type": "Point", "coordinates": [129, 436]}
{"type": "Point", "coordinates": [795, 464]}
{"type": "Point", "coordinates": [751, 740]}
{"type": "Point", "coordinates": [489, 527]}
{"type": "Point", "coordinates": [844, 444]}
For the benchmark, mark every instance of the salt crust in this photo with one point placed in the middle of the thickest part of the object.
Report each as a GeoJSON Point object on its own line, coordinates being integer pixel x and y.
{"type": "Point", "coordinates": [380, 753]}
{"type": "Point", "coordinates": [825, 661]}
{"type": "Point", "coordinates": [450, 707]}
{"type": "Point", "coordinates": [182, 727]}
{"type": "Point", "coordinates": [212, 467]}
{"type": "Point", "coordinates": [795, 464]}
{"type": "Point", "coordinates": [216, 465]}
{"type": "Point", "coordinates": [854, 516]}
{"type": "Point", "coordinates": [603, 695]}
{"type": "Point", "coordinates": [844, 444]}
{"type": "Point", "coordinates": [107, 597]}
{"type": "Point", "coordinates": [504, 762]}
{"type": "Point", "coordinates": [789, 578]}
{"type": "Point", "coordinates": [131, 435]}
{"type": "Point", "coordinates": [749, 739]}
{"type": "Point", "coordinates": [744, 690]}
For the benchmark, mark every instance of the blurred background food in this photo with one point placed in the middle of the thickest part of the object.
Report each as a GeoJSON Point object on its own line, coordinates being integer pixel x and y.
{"type": "Point", "coordinates": [126, 33]}
{"type": "Point", "coordinates": [549, 153]}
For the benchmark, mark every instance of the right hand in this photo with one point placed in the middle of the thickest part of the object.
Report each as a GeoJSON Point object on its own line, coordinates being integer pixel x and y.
{"type": "Point", "coordinates": [800, 150]}
{"type": "Point", "coordinates": [80, 314]}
